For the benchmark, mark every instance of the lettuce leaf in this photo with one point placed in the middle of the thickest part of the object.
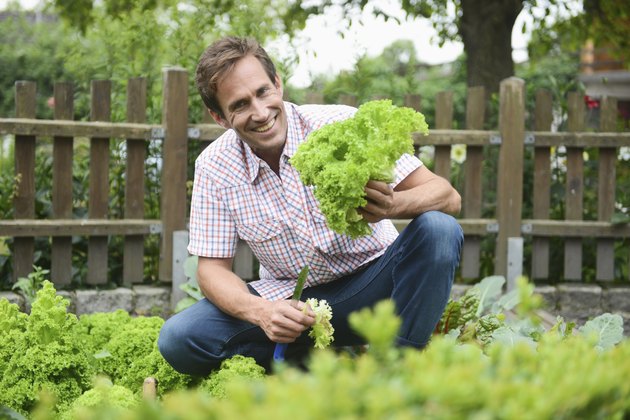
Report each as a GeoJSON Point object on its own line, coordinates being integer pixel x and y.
{"type": "Point", "coordinates": [340, 158]}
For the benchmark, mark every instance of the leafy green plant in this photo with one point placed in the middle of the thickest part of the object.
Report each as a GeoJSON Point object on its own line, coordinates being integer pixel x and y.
{"type": "Point", "coordinates": [29, 285]}
{"type": "Point", "coordinates": [340, 158]}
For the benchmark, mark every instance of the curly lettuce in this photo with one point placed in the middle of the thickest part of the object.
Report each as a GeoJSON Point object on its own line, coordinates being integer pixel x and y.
{"type": "Point", "coordinates": [340, 158]}
{"type": "Point", "coordinates": [322, 331]}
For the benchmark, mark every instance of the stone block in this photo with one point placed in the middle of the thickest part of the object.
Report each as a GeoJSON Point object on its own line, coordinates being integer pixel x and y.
{"type": "Point", "coordinates": [152, 301]}
{"type": "Point", "coordinates": [14, 298]}
{"type": "Point", "coordinates": [550, 297]}
{"type": "Point", "coordinates": [616, 299]}
{"type": "Point", "coordinates": [90, 301]}
{"type": "Point", "coordinates": [579, 302]}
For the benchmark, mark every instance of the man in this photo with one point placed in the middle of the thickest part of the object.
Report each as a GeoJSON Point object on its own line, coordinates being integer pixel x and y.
{"type": "Point", "coordinates": [246, 187]}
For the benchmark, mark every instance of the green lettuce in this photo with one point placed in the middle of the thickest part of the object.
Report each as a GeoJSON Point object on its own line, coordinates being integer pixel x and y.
{"type": "Point", "coordinates": [340, 158]}
{"type": "Point", "coordinates": [322, 331]}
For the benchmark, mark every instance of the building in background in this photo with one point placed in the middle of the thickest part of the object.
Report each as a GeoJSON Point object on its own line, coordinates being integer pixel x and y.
{"type": "Point", "coordinates": [605, 72]}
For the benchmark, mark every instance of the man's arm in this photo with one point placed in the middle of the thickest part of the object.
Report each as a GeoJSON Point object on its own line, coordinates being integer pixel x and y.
{"type": "Point", "coordinates": [282, 321]}
{"type": "Point", "coordinates": [419, 192]}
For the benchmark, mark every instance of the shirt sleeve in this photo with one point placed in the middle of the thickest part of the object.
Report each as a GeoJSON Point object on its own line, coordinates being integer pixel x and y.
{"type": "Point", "coordinates": [212, 229]}
{"type": "Point", "coordinates": [404, 166]}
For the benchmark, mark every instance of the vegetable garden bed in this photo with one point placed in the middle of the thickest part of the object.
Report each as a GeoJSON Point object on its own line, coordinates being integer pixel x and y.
{"type": "Point", "coordinates": [480, 364]}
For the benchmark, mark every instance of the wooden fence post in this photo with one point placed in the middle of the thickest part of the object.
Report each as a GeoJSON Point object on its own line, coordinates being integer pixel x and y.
{"type": "Point", "coordinates": [606, 190]}
{"type": "Point", "coordinates": [574, 195]}
{"type": "Point", "coordinates": [61, 264]}
{"type": "Point", "coordinates": [174, 164]}
{"type": "Point", "coordinates": [413, 101]}
{"type": "Point", "coordinates": [133, 259]}
{"type": "Point", "coordinates": [443, 121]}
{"type": "Point", "coordinates": [473, 169]}
{"type": "Point", "coordinates": [99, 182]}
{"type": "Point", "coordinates": [542, 183]}
{"type": "Point", "coordinates": [24, 200]}
{"type": "Point", "coordinates": [510, 176]}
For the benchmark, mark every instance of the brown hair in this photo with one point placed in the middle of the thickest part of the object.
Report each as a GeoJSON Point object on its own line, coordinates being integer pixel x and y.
{"type": "Point", "coordinates": [219, 59]}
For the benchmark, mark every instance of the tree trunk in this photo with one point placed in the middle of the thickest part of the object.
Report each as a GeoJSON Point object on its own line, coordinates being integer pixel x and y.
{"type": "Point", "coordinates": [486, 30]}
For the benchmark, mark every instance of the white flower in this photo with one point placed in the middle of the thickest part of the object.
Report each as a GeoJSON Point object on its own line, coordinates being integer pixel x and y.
{"type": "Point", "coordinates": [458, 153]}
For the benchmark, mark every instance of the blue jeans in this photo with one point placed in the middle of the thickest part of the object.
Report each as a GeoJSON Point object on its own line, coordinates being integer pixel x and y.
{"type": "Point", "coordinates": [416, 271]}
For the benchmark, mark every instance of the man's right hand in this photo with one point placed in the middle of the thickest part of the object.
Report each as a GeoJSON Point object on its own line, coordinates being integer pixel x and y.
{"type": "Point", "coordinates": [283, 321]}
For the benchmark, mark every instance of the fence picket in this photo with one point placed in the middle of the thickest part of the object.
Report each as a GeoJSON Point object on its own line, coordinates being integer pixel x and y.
{"type": "Point", "coordinates": [99, 182]}
{"type": "Point", "coordinates": [133, 258]}
{"type": "Point", "coordinates": [443, 120]}
{"type": "Point", "coordinates": [574, 193]}
{"type": "Point", "coordinates": [173, 206]}
{"type": "Point", "coordinates": [61, 264]}
{"type": "Point", "coordinates": [542, 184]}
{"type": "Point", "coordinates": [510, 180]}
{"type": "Point", "coordinates": [606, 191]}
{"type": "Point", "coordinates": [473, 166]}
{"type": "Point", "coordinates": [24, 200]}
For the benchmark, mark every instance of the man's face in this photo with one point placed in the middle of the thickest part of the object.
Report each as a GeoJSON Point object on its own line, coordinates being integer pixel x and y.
{"type": "Point", "coordinates": [252, 106]}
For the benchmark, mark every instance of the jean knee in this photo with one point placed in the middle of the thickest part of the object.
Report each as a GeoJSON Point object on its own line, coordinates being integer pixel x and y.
{"type": "Point", "coordinates": [169, 341]}
{"type": "Point", "coordinates": [441, 231]}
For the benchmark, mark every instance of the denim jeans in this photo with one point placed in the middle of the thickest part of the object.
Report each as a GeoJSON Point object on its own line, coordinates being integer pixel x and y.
{"type": "Point", "coordinates": [416, 271]}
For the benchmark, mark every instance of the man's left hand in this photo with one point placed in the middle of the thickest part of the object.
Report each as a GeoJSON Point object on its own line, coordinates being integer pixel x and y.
{"type": "Point", "coordinates": [380, 202]}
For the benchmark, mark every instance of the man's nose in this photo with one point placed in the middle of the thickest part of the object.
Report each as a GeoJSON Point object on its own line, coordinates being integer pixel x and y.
{"type": "Point", "coordinates": [259, 110]}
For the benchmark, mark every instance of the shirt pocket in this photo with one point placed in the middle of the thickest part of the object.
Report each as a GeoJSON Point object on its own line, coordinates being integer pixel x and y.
{"type": "Point", "coordinates": [268, 240]}
{"type": "Point", "coordinates": [260, 231]}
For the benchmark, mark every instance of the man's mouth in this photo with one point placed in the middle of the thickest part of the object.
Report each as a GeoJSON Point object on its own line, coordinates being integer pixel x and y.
{"type": "Point", "coordinates": [265, 127]}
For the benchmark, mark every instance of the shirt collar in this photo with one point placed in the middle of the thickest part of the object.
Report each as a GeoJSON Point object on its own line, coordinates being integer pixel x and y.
{"type": "Point", "coordinates": [253, 162]}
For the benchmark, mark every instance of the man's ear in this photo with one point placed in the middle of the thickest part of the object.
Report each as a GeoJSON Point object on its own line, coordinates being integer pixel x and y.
{"type": "Point", "coordinates": [218, 119]}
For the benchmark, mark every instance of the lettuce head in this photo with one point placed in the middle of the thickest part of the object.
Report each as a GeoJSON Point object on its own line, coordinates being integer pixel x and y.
{"type": "Point", "coordinates": [340, 158]}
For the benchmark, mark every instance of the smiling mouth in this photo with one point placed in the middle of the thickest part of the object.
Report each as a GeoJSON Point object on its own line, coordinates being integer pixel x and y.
{"type": "Point", "coordinates": [265, 127]}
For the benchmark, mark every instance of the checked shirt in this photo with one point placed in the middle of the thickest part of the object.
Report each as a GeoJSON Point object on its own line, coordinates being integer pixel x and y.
{"type": "Point", "coordinates": [237, 195]}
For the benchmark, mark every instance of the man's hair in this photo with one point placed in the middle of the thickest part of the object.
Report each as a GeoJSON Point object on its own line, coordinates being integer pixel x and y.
{"type": "Point", "coordinates": [218, 60]}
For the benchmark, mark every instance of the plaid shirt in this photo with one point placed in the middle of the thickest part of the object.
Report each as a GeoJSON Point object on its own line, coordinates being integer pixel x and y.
{"type": "Point", "coordinates": [236, 194]}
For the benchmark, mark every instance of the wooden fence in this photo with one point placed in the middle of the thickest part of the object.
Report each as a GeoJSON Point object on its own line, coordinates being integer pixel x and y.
{"type": "Point", "coordinates": [506, 225]}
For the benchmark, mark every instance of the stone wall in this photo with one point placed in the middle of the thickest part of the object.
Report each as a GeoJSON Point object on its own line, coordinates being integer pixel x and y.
{"type": "Point", "coordinates": [573, 301]}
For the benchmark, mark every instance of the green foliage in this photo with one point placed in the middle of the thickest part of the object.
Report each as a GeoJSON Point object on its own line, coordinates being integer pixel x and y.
{"type": "Point", "coordinates": [104, 401]}
{"type": "Point", "coordinates": [29, 285]}
{"type": "Point", "coordinates": [45, 347]}
{"type": "Point", "coordinates": [564, 376]}
{"type": "Point", "coordinates": [391, 74]}
{"type": "Point", "coordinates": [340, 158]}
{"type": "Point", "coordinates": [577, 375]}
{"type": "Point", "coordinates": [125, 349]}
{"type": "Point", "coordinates": [28, 51]}
{"type": "Point", "coordinates": [236, 368]}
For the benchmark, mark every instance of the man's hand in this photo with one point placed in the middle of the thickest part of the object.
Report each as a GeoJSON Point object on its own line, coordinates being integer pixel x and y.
{"type": "Point", "coordinates": [284, 320]}
{"type": "Point", "coordinates": [380, 205]}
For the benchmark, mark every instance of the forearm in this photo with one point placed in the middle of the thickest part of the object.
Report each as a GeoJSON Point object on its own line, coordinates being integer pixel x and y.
{"type": "Point", "coordinates": [228, 291]}
{"type": "Point", "coordinates": [282, 321]}
{"type": "Point", "coordinates": [436, 194]}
